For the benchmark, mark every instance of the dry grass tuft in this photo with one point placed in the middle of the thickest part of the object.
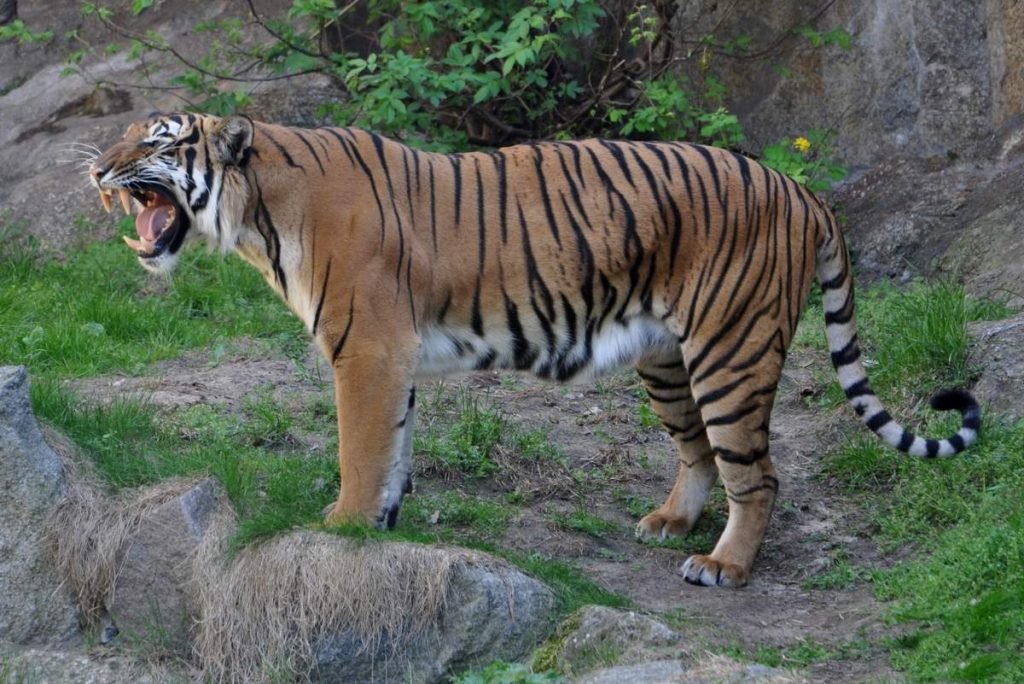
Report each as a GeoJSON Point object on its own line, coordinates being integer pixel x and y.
{"type": "Point", "coordinates": [267, 609]}
{"type": "Point", "coordinates": [88, 530]}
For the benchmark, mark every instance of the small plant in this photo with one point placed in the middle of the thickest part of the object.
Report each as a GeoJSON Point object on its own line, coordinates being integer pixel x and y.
{"type": "Point", "coordinates": [17, 31]}
{"type": "Point", "coordinates": [500, 672]}
{"type": "Point", "coordinates": [459, 512]}
{"type": "Point", "coordinates": [466, 446]}
{"type": "Point", "coordinates": [534, 445]}
{"type": "Point", "coordinates": [582, 521]}
{"type": "Point", "coordinates": [456, 74]}
{"type": "Point", "coordinates": [268, 423]}
{"type": "Point", "coordinates": [635, 504]}
{"type": "Point", "coordinates": [807, 160]}
{"type": "Point", "coordinates": [840, 574]}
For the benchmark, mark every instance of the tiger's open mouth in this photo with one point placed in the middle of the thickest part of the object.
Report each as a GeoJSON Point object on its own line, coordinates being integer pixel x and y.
{"type": "Point", "coordinates": [158, 219]}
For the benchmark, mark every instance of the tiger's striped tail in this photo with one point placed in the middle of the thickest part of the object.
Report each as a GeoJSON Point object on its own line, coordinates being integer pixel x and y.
{"type": "Point", "coordinates": [836, 278]}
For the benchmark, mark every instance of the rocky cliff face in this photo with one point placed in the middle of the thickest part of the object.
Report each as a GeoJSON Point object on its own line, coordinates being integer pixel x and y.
{"type": "Point", "coordinates": [927, 105]}
{"type": "Point", "coordinates": [922, 78]}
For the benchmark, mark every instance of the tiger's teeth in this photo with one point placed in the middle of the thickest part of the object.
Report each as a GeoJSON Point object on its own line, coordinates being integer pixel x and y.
{"type": "Point", "coordinates": [105, 199]}
{"type": "Point", "coordinates": [126, 201]}
{"type": "Point", "coordinates": [141, 247]}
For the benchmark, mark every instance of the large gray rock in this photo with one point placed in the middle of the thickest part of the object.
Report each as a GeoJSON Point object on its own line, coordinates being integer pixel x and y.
{"type": "Point", "coordinates": [655, 672]}
{"type": "Point", "coordinates": [926, 106]}
{"type": "Point", "coordinates": [604, 636]}
{"type": "Point", "coordinates": [152, 601]}
{"type": "Point", "coordinates": [933, 217]}
{"type": "Point", "coordinates": [312, 604]}
{"type": "Point", "coordinates": [34, 606]}
{"type": "Point", "coordinates": [492, 612]}
{"type": "Point", "coordinates": [997, 348]}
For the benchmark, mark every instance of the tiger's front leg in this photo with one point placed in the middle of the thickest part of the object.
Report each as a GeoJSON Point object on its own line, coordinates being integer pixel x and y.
{"type": "Point", "coordinates": [376, 404]}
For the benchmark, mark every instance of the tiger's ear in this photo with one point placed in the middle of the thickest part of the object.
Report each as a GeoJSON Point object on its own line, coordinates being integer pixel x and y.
{"type": "Point", "coordinates": [232, 138]}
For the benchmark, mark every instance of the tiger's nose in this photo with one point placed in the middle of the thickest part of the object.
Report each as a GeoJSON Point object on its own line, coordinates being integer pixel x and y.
{"type": "Point", "coordinates": [97, 171]}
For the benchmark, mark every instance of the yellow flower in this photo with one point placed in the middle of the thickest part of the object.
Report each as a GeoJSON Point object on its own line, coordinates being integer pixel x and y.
{"type": "Point", "coordinates": [802, 144]}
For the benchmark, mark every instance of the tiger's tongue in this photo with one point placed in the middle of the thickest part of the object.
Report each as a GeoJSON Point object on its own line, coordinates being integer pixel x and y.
{"type": "Point", "coordinates": [150, 222]}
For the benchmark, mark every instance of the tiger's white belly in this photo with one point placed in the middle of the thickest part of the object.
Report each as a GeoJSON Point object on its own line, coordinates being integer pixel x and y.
{"type": "Point", "coordinates": [446, 349]}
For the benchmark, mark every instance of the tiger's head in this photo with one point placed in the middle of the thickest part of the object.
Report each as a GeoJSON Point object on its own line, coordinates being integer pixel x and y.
{"type": "Point", "coordinates": [182, 176]}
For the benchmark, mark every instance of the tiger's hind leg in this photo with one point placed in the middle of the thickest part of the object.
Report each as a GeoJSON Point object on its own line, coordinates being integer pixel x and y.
{"type": "Point", "coordinates": [735, 405]}
{"type": "Point", "coordinates": [668, 386]}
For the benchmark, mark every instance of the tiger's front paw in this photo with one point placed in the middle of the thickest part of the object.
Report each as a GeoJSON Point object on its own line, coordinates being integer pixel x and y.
{"type": "Point", "coordinates": [333, 516]}
{"type": "Point", "coordinates": [659, 526]}
{"type": "Point", "coordinates": [708, 572]}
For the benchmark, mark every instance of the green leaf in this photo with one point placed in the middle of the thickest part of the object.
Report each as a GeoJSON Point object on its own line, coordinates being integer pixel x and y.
{"type": "Point", "coordinates": [139, 6]}
{"type": "Point", "coordinates": [298, 61]}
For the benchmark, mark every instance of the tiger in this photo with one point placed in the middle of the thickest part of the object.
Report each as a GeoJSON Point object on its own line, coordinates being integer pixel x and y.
{"type": "Point", "coordinates": [565, 259]}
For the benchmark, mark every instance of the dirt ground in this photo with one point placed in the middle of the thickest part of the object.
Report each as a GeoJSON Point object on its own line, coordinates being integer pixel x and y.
{"type": "Point", "coordinates": [609, 457]}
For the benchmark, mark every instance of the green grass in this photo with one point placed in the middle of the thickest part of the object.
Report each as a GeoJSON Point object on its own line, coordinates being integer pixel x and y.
{"type": "Point", "coordinates": [268, 423]}
{"type": "Point", "coordinates": [469, 436]}
{"type": "Point", "coordinates": [637, 505]}
{"type": "Point", "coordinates": [918, 332]}
{"type": "Point", "coordinates": [964, 598]}
{"type": "Point", "coordinates": [500, 672]}
{"type": "Point", "coordinates": [961, 594]}
{"type": "Point", "coordinates": [571, 587]}
{"type": "Point", "coordinates": [587, 523]}
{"type": "Point", "coordinates": [802, 654]}
{"type": "Point", "coordinates": [99, 311]}
{"type": "Point", "coordinates": [456, 517]}
{"type": "Point", "coordinates": [465, 446]}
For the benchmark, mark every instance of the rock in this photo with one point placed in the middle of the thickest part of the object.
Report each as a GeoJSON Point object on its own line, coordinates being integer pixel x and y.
{"type": "Point", "coordinates": [723, 670]}
{"type": "Point", "coordinates": [34, 606]}
{"type": "Point", "coordinates": [656, 672]}
{"type": "Point", "coordinates": [717, 670]}
{"type": "Point", "coordinates": [492, 612]}
{"type": "Point", "coordinates": [926, 105]}
{"type": "Point", "coordinates": [603, 636]}
{"type": "Point", "coordinates": [961, 221]}
{"type": "Point", "coordinates": [997, 348]}
{"type": "Point", "coordinates": [151, 600]}
{"type": "Point", "coordinates": [40, 665]}
{"type": "Point", "coordinates": [921, 78]}
{"type": "Point", "coordinates": [315, 605]}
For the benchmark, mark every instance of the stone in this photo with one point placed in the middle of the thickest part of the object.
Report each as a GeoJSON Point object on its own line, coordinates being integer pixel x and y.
{"type": "Point", "coordinates": [603, 636]}
{"type": "Point", "coordinates": [997, 348]}
{"type": "Point", "coordinates": [711, 670]}
{"type": "Point", "coordinates": [921, 78]}
{"type": "Point", "coordinates": [152, 600]}
{"type": "Point", "coordinates": [961, 221]}
{"type": "Point", "coordinates": [492, 612]}
{"type": "Point", "coordinates": [655, 672]}
{"type": "Point", "coordinates": [41, 665]}
{"type": "Point", "coordinates": [34, 605]}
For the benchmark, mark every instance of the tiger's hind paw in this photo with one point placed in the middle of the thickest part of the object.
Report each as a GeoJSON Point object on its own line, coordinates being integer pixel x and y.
{"type": "Point", "coordinates": [658, 526]}
{"type": "Point", "coordinates": [708, 572]}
